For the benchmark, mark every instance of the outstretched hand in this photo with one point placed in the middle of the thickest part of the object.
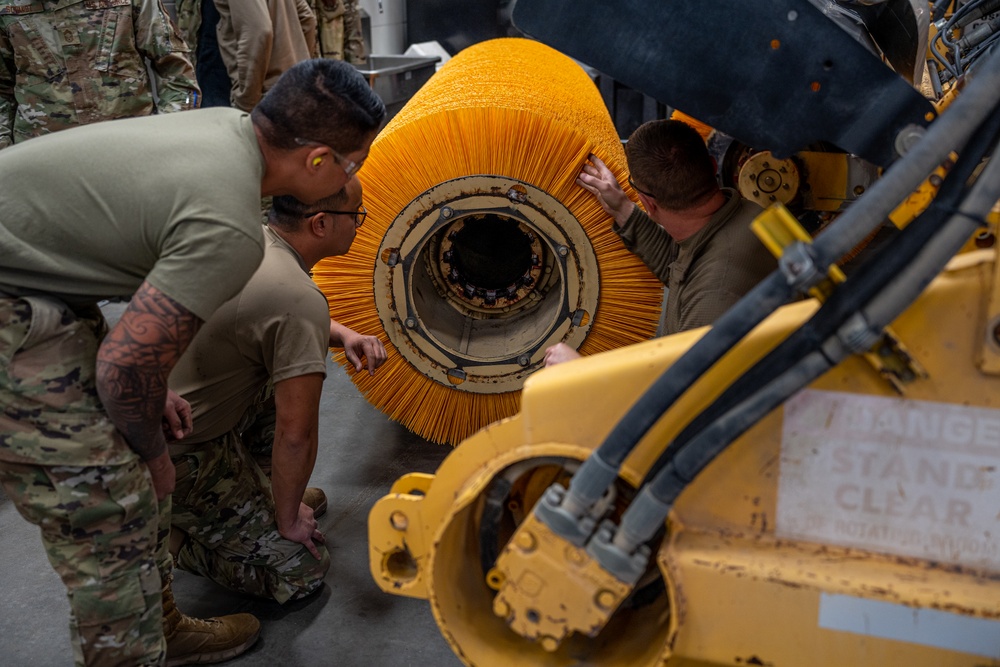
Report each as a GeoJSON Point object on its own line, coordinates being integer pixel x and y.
{"type": "Point", "coordinates": [596, 178]}
{"type": "Point", "coordinates": [358, 347]}
{"type": "Point", "coordinates": [559, 353]}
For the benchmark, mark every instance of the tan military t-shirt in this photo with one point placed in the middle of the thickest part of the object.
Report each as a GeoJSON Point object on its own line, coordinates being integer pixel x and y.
{"type": "Point", "coordinates": [278, 327]}
{"type": "Point", "coordinates": [91, 212]}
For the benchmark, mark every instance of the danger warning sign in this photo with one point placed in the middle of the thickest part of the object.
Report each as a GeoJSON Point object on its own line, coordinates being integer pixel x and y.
{"type": "Point", "coordinates": [898, 476]}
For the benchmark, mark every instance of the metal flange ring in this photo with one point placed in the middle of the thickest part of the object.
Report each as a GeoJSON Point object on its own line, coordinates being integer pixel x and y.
{"type": "Point", "coordinates": [477, 276]}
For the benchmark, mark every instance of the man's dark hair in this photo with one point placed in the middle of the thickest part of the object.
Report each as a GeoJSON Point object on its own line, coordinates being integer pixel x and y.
{"type": "Point", "coordinates": [288, 213]}
{"type": "Point", "coordinates": [668, 160]}
{"type": "Point", "coordinates": [322, 100]}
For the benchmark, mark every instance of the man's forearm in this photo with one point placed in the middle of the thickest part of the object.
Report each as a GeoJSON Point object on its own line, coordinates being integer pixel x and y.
{"type": "Point", "coordinates": [134, 402]}
{"type": "Point", "coordinates": [293, 453]}
{"type": "Point", "coordinates": [133, 364]}
{"type": "Point", "coordinates": [292, 462]}
{"type": "Point", "coordinates": [337, 331]}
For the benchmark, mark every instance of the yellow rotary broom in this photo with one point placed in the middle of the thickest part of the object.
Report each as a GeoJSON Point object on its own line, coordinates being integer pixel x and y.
{"type": "Point", "coordinates": [479, 250]}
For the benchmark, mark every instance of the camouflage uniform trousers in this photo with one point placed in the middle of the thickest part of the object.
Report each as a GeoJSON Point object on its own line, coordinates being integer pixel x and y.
{"type": "Point", "coordinates": [223, 502]}
{"type": "Point", "coordinates": [103, 531]}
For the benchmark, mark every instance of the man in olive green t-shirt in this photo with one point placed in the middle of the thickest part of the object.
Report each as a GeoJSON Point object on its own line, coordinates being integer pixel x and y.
{"type": "Point", "coordinates": [162, 209]}
{"type": "Point", "coordinates": [694, 236]}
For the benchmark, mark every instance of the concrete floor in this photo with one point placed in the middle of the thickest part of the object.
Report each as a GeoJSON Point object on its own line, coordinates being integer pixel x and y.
{"type": "Point", "coordinates": [351, 622]}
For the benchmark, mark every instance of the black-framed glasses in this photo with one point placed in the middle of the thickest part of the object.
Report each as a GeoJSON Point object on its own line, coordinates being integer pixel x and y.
{"type": "Point", "coordinates": [350, 167]}
{"type": "Point", "coordinates": [359, 215]}
{"type": "Point", "coordinates": [638, 189]}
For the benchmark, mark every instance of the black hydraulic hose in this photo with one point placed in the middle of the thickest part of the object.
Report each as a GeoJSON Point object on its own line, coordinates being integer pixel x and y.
{"type": "Point", "coordinates": [890, 262]}
{"type": "Point", "coordinates": [982, 8]}
{"type": "Point", "coordinates": [494, 501]}
{"type": "Point", "coordinates": [815, 348]}
{"type": "Point", "coordinates": [947, 64]}
{"type": "Point", "coordinates": [939, 8]}
{"type": "Point", "coordinates": [768, 295]}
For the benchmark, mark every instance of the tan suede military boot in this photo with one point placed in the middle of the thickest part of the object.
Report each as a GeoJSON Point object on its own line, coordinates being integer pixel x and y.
{"type": "Point", "coordinates": [193, 641]}
{"type": "Point", "coordinates": [316, 499]}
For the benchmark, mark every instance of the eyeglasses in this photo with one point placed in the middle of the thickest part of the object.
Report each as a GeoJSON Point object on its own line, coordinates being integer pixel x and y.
{"type": "Point", "coordinates": [349, 166]}
{"type": "Point", "coordinates": [359, 215]}
{"type": "Point", "coordinates": [638, 189]}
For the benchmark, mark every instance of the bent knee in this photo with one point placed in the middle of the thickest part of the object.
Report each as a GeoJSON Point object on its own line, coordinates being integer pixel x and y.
{"type": "Point", "coordinates": [303, 577]}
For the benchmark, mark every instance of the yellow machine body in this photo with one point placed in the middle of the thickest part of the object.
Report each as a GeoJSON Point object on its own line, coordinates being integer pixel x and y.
{"type": "Point", "coordinates": [855, 525]}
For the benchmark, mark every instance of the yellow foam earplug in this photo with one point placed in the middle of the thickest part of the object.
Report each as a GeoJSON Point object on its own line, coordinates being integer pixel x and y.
{"type": "Point", "coordinates": [317, 161]}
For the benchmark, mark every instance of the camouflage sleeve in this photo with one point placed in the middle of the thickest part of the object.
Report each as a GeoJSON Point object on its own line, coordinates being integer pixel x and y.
{"type": "Point", "coordinates": [8, 104]}
{"type": "Point", "coordinates": [354, 42]}
{"type": "Point", "coordinates": [189, 23]}
{"type": "Point", "coordinates": [162, 46]}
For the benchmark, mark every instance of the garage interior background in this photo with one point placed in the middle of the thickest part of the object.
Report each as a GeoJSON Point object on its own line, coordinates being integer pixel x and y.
{"type": "Point", "coordinates": [391, 27]}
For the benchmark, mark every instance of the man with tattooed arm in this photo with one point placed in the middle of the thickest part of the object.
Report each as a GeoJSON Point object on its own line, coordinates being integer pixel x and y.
{"type": "Point", "coordinates": [164, 209]}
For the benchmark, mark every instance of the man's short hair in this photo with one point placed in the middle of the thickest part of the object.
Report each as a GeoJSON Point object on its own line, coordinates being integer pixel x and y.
{"type": "Point", "coordinates": [668, 159]}
{"type": "Point", "coordinates": [288, 213]}
{"type": "Point", "coordinates": [322, 100]}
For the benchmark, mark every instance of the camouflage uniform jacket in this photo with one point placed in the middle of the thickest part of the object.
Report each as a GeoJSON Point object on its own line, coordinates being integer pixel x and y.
{"type": "Point", "coordinates": [69, 62]}
{"type": "Point", "coordinates": [339, 34]}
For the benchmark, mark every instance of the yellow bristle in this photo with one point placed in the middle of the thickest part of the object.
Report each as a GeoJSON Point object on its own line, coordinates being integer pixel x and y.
{"type": "Point", "coordinates": [508, 107]}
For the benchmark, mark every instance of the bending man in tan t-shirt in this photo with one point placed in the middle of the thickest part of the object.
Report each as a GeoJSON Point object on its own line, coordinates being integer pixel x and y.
{"type": "Point", "coordinates": [253, 376]}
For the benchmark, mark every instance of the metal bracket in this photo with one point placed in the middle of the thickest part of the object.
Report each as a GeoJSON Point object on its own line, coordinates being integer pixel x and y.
{"type": "Point", "coordinates": [778, 229]}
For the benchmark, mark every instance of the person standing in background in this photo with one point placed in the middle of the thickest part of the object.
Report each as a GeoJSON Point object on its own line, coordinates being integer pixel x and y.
{"type": "Point", "coordinates": [340, 35]}
{"type": "Point", "coordinates": [259, 40]}
{"type": "Point", "coordinates": [198, 22]}
{"type": "Point", "coordinates": [74, 62]}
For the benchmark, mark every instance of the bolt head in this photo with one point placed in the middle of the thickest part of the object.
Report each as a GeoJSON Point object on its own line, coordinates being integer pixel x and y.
{"type": "Point", "coordinates": [399, 521]}
{"type": "Point", "coordinates": [550, 644]}
{"type": "Point", "coordinates": [604, 599]}
{"type": "Point", "coordinates": [526, 541]}
{"type": "Point", "coordinates": [501, 608]}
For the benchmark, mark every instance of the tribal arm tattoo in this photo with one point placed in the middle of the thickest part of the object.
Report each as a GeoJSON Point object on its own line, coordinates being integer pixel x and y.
{"type": "Point", "coordinates": [134, 362]}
